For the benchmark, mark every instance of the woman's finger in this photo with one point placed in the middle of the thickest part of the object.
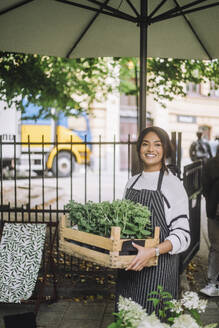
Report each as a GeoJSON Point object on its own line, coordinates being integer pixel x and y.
{"type": "Point", "coordinates": [135, 267]}
{"type": "Point", "coordinates": [135, 245]}
{"type": "Point", "coordinates": [132, 264]}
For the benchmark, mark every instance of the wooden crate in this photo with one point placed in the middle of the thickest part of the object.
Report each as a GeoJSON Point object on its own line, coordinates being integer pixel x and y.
{"type": "Point", "coordinates": [113, 246]}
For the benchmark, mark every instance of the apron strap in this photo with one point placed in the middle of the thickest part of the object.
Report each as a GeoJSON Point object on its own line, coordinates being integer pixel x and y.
{"type": "Point", "coordinates": [160, 179]}
{"type": "Point", "coordinates": [135, 181]}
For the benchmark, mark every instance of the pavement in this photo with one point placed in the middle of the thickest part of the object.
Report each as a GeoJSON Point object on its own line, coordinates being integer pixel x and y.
{"type": "Point", "coordinates": [69, 313]}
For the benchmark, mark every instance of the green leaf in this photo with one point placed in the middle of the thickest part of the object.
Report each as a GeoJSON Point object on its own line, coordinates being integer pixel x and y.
{"type": "Point", "coordinates": [194, 313]}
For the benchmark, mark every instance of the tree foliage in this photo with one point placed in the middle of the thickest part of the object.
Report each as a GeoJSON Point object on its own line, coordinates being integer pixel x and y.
{"type": "Point", "coordinates": [63, 84]}
{"type": "Point", "coordinates": [167, 77]}
{"type": "Point", "coordinates": [53, 82]}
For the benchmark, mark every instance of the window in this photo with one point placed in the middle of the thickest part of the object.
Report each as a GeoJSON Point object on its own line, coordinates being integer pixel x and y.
{"type": "Point", "coordinates": [213, 91]}
{"type": "Point", "coordinates": [193, 89]}
{"type": "Point", "coordinates": [207, 89]}
{"type": "Point", "coordinates": [77, 123]}
{"type": "Point", "coordinates": [127, 100]}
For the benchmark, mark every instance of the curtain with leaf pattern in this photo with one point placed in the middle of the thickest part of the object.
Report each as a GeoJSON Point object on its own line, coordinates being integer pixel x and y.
{"type": "Point", "coordinates": [20, 257]}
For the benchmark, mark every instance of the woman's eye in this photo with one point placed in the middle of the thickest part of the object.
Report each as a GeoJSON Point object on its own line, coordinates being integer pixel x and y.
{"type": "Point", "coordinates": [146, 144]}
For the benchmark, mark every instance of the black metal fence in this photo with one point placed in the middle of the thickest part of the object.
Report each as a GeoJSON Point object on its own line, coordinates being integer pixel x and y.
{"type": "Point", "coordinates": [27, 197]}
{"type": "Point", "coordinates": [192, 183]}
{"type": "Point", "coordinates": [40, 196]}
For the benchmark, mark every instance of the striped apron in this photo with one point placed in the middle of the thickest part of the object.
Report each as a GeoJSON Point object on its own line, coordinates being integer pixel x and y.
{"type": "Point", "coordinates": [138, 284]}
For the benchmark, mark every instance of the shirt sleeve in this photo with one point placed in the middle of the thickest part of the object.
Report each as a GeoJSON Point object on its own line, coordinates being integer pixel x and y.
{"type": "Point", "coordinates": [178, 218]}
{"type": "Point", "coordinates": [123, 197]}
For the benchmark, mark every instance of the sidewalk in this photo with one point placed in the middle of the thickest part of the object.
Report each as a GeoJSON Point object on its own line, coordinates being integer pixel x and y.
{"type": "Point", "coordinates": [65, 314]}
{"type": "Point", "coordinates": [98, 314]}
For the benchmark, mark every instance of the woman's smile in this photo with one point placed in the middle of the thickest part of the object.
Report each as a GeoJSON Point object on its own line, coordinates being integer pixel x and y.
{"type": "Point", "coordinates": [150, 155]}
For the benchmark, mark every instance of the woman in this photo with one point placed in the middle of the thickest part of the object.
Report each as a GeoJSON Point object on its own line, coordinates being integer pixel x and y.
{"type": "Point", "coordinates": [165, 196]}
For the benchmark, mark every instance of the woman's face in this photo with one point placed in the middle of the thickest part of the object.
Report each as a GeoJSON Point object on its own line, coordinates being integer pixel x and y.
{"type": "Point", "coordinates": [151, 152]}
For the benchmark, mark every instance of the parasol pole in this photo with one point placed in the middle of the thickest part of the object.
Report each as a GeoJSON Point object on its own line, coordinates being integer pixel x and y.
{"type": "Point", "coordinates": [141, 117]}
{"type": "Point", "coordinates": [143, 66]}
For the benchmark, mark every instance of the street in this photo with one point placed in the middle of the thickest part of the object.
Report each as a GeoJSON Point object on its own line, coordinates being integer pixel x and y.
{"type": "Point", "coordinates": [58, 192]}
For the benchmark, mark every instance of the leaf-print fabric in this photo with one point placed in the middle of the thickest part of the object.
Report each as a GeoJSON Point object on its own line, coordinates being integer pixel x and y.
{"type": "Point", "coordinates": [20, 257]}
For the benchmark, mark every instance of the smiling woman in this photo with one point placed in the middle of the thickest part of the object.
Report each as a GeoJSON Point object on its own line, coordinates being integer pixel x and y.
{"type": "Point", "coordinates": [154, 143]}
{"type": "Point", "coordinates": [163, 193]}
{"type": "Point", "coordinates": [151, 152]}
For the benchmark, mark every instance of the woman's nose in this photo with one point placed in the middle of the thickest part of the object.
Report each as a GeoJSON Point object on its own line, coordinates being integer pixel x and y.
{"type": "Point", "coordinates": [150, 147]}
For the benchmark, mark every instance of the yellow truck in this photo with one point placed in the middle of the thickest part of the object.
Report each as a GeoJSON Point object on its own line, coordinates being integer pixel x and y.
{"type": "Point", "coordinates": [55, 146]}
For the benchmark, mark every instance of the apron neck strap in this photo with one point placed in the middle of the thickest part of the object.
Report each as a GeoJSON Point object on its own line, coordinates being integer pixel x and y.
{"type": "Point", "coordinates": [160, 179]}
{"type": "Point", "coordinates": [135, 181]}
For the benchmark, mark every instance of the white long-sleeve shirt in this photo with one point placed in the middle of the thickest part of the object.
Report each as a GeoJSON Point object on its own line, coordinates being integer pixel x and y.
{"type": "Point", "coordinates": [175, 206]}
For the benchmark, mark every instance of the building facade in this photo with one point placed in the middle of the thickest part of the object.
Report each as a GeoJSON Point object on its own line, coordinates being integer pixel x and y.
{"type": "Point", "coordinates": [198, 111]}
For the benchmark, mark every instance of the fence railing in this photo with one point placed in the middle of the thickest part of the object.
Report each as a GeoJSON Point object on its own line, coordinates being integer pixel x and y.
{"type": "Point", "coordinates": [96, 170]}
{"type": "Point", "coordinates": [193, 185]}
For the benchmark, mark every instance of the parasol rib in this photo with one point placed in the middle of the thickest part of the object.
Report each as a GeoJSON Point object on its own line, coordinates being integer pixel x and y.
{"type": "Point", "coordinates": [157, 8]}
{"type": "Point", "coordinates": [86, 29]}
{"type": "Point", "coordinates": [195, 33]}
{"type": "Point", "coordinates": [20, 4]}
{"type": "Point", "coordinates": [132, 7]}
{"type": "Point", "coordinates": [176, 9]}
{"type": "Point", "coordinates": [111, 9]}
{"type": "Point", "coordinates": [119, 15]}
{"type": "Point", "coordinates": [186, 12]}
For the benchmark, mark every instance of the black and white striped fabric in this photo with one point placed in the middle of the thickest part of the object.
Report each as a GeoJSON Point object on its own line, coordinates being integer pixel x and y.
{"type": "Point", "coordinates": [138, 284]}
{"type": "Point", "coordinates": [20, 257]}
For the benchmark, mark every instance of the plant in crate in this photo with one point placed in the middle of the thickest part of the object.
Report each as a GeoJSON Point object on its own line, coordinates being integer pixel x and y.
{"type": "Point", "coordinates": [106, 230]}
{"type": "Point", "coordinates": [98, 218]}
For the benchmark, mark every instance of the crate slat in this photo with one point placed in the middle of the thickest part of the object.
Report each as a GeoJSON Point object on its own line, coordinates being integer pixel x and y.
{"type": "Point", "coordinates": [123, 261]}
{"type": "Point", "coordinates": [85, 237]}
{"type": "Point", "coordinates": [85, 253]}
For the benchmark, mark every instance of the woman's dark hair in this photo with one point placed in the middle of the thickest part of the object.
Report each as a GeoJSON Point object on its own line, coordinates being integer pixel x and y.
{"type": "Point", "coordinates": [165, 141]}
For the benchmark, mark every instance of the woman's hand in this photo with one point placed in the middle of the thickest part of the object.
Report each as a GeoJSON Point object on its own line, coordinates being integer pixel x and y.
{"type": "Point", "coordinates": [145, 254]}
{"type": "Point", "coordinates": [142, 258]}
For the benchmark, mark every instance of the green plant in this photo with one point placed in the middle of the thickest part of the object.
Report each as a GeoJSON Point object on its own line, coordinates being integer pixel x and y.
{"type": "Point", "coordinates": [163, 300]}
{"type": "Point", "coordinates": [98, 218]}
